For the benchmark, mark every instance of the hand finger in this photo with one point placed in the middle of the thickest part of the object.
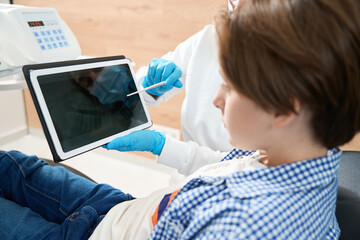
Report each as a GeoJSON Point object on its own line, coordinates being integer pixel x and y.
{"type": "Point", "coordinates": [105, 146]}
{"type": "Point", "coordinates": [152, 70]}
{"type": "Point", "coordinates": [159, 72]}
{"type": "Point", "coordinates": [178, 84]}
{"type": "Point", "coordinates": [173, 79]}
{"type": "Point", "coordinates": [168, 70]}
{"type": "Point", "coordinates": [120, 144]}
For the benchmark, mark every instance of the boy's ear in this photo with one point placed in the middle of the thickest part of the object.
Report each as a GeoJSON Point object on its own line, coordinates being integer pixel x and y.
{"type": "Point", "coordinates": [281, 120]}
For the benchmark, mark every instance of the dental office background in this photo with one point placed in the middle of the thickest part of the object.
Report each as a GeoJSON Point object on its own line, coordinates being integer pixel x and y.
{"type": "Point", "coordinates": [140, 30]}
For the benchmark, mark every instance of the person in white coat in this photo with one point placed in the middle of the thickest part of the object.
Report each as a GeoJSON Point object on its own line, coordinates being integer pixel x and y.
{"type": "Point", "coordinates": [205, 138]}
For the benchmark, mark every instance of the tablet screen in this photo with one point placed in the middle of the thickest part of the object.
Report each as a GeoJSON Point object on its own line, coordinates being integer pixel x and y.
{"type": "Point", "coordinates": [91, 104]}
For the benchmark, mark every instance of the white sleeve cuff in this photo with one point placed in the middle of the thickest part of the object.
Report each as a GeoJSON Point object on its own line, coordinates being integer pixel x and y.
{"type": "Point", "coordinates": [187, 157]}
{"type": "Point", "coordinates": [174, 153]}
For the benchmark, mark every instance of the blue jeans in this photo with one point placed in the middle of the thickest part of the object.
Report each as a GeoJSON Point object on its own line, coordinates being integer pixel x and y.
{"type": "Point", "coordinates": [38, 201]}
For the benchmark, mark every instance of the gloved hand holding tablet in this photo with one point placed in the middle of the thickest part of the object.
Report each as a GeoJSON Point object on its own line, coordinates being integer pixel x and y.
{"type": "Point", "coordinates": [83, 104]}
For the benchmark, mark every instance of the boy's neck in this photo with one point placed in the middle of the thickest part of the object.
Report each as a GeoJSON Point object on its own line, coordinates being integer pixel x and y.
{"type": "Point", "coordinates": [293, 153]}
{"type": "Point", "coordinates": [293, 141]}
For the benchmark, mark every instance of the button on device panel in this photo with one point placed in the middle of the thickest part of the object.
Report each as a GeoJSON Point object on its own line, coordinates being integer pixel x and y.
{"type": "Point", "coordinates": [47, 31]}
{"type": "Point", "coordinates": [57, 38]}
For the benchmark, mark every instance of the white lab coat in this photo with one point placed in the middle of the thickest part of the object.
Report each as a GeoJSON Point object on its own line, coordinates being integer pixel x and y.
{"type": "Point", "coordinates": [206, 140]}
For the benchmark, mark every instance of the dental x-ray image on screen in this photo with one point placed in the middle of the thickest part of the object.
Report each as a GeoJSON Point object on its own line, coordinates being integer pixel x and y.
{"type": "Point", "coordinates": [84, 106]}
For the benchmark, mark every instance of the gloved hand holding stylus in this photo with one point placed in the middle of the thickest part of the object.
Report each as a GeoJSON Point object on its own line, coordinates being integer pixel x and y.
{"type": "Point", "coordinates": [162, 70]}
{"type": "Point", "coordinates": [142, 140]}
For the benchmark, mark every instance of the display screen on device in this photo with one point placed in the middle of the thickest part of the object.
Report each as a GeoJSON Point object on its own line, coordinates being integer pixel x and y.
{"type": "Point", "coordinates": [36, 23]}
{"type": "Point", "coordinates": [91, 104]}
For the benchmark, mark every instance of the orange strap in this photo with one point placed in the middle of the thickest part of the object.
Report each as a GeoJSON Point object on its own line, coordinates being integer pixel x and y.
{"type": "Point", "coordinates": [166, 200]}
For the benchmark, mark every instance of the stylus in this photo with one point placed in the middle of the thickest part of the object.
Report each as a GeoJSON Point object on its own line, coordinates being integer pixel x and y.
{"type": "Point", "coordinates": [152, 86]}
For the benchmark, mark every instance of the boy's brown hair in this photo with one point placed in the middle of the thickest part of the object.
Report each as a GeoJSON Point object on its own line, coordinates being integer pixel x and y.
{"type": "Point", "coordinates": [275, 51]}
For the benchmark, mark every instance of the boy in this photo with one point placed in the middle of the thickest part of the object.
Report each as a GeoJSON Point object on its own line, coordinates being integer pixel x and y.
{"type": "Point", "coordinates": [291, 87]}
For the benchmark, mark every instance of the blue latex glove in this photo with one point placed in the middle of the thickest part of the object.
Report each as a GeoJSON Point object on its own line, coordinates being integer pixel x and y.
{"type": "Point", "coordinates": [142, 140]}
{"type": "Point", "coordinates": [162, 70]}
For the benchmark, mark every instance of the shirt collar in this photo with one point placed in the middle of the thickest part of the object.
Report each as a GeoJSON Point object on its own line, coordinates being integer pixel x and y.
{"type": "Point", "coordinates": [292, 177]}
{"type": "Point", "coordinates": [237, 153]}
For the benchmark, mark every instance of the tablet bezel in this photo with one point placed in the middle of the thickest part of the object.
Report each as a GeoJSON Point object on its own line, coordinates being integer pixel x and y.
{"type": "Point", "coordinates": [32, 72]}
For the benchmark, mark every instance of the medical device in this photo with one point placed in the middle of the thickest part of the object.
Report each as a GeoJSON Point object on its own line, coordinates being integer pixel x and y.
{"type": "Point", "coordinates": [83, 104]}
{"type": "Point", "coordinates": [32, 35]}
{"type": "Point", "coordinates": [144, 89]}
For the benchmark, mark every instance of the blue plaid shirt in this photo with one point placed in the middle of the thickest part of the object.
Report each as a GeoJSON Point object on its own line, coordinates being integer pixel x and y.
{"type": "Point", "coordinates": [291, 201]}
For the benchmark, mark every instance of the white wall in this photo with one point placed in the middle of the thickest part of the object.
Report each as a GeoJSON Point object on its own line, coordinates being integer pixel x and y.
{"type": "Point", "coordinates": [12, 115]}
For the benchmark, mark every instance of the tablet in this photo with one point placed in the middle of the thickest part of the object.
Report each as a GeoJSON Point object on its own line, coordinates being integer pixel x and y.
{"type": "Point", "coordinates": [82, 104]}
